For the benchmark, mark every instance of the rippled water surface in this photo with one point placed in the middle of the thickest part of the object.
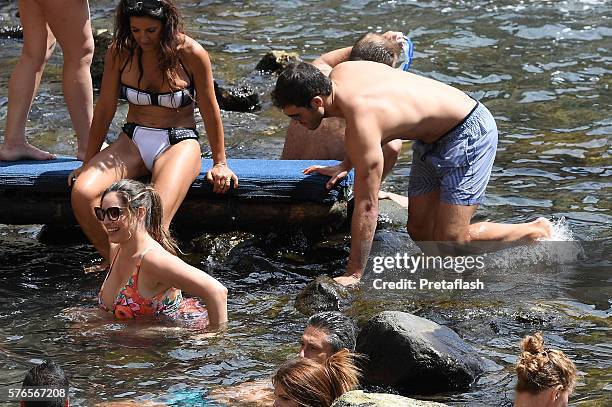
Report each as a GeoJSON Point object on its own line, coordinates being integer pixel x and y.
{"type": "Point", "coordinates": [542, 68]}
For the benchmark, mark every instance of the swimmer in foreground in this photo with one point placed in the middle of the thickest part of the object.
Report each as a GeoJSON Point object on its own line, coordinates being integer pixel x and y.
{"type": "Point", "coordinates": [161, 72]}
{"type": "Point", "coordinates": [145, 276]}
{"type": "Point", "coordinates": [455, 141]}
{"type": "Point", "coordinates": [45, 376]}
{"type": "Point", "coordinates": [546, 377]}
{"type": "Point", "coordinates": [326, 333]}
{"type": "Point", "coordinates": [303, 382]}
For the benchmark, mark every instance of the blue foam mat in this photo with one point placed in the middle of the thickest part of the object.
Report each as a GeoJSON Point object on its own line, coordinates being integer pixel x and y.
{"type": "Point", "coordinates": [261, 180]}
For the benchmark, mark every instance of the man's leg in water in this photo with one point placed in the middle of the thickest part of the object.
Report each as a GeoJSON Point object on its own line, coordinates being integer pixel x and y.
{"type": "Point", "coordinates": [452, 224]}
{"type": "Point", "coordinates": [422, 211]}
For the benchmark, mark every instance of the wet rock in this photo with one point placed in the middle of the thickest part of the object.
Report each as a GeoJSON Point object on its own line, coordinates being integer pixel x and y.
{"type": "Point", "coordinates": [15, 32]}
{"type": "Point", "coordinates": [276, 61]}
{"type": "Point", "coordinates": [358, 398]}
{"type": "Point", "coordinates": [323, 294]}
{"type": "Point", "coordinates": [415, 355]}
{"type": "Point", "coordinates": [102, 40]}
{"type": "Point", "coordinates": [239, 98]}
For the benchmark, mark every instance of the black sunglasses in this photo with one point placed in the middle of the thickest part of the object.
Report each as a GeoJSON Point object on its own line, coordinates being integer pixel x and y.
{"type": "Point", "coordinates": [114, 213]}
{"type": "Point", "coordinates": [154, 6]}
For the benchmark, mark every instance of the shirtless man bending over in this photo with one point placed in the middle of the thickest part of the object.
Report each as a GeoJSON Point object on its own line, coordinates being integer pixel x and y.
{"type": "Point", "coordinates": [327, 141]}
{"type": "Point", "coordinates": [455, 140]}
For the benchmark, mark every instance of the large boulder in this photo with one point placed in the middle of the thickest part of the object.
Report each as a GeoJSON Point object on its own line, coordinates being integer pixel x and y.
{"type": "Point", "coordinates": [415, 355]}
{"type": "Point", "coordinates": [358, 398]}
{"type": "Point", "coordinates": [322, 294]}
{"type": "Point", "coordinates": [276, 61]}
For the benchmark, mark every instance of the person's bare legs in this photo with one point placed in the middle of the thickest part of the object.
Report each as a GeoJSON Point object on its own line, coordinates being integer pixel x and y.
{"type": "Point", "coordinates": [70, 22]}
{"type": "Point", "coordinates": [391, 152]}
{"type": "Point", "coordinates": [38, 45]}
{"type": "Point", "coordinates": [422, 210]}
{"type": "Point", "coordinates": [119, 160]}
{"type": "Point", "coordinates": [453, 224]}
{"type": "Point", "coordinates": [173, 173]}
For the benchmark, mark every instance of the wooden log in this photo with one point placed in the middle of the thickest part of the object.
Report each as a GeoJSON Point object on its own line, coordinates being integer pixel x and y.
{"type": "Point", "coordinates": [271, 193]}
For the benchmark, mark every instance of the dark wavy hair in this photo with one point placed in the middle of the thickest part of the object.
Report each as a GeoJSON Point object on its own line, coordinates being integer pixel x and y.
{"type": "Point", "coordinates": [298, 84]}
{"type": "Point", "coordinates": [172, 25]}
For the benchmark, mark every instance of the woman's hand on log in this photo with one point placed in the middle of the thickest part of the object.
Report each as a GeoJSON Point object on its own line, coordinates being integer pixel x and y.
{"type": "Point", "coordinates": [220, 176]}
{"type": "Point", "coordinates": [336, 172]}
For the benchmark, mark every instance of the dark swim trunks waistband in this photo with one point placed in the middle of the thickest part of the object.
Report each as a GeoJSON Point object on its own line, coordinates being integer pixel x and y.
{"type": "Point", "coordinates": [451, 131]}
{"type": "Point", "coordinates": [175, 134]}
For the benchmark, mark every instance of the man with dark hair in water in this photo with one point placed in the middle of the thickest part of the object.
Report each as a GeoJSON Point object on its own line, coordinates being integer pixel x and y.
{"type": "Point", "coordinates": [327, 333]}
{"type": "Point", "coordinates": [46, 375]}
{"type": "Point", "coordinates": [327, 141]}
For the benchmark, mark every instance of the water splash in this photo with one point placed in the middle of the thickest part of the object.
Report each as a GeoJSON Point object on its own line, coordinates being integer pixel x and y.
{"type": "Point", "coordinates": [560, 231]}
{"type": "Point", "coordinates": [560, 248]}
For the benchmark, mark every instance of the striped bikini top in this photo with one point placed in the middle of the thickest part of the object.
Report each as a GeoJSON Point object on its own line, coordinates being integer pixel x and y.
{"type": "Point", "coordinates": [180, 98]}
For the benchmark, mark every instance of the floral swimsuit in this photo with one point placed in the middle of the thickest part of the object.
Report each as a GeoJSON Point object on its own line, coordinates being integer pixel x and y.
{"type": "Point", "coordinates": [130, 304]}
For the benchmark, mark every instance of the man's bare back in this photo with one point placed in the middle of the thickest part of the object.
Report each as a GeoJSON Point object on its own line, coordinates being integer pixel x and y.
{"type": "Point", "coordinates": [396, 104]}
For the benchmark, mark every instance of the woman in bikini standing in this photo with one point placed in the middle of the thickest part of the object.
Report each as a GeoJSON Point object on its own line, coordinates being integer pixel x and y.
{"type": "Point", "coordinates": [161, 72]}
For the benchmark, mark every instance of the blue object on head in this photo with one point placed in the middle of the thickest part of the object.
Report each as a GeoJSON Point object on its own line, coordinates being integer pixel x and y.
{"type": "Point", "coordinates": [408, 50]}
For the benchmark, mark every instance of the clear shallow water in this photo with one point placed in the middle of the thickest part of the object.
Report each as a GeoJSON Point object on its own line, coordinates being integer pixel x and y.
{"type": "Point", "coordinates": [542, 68]}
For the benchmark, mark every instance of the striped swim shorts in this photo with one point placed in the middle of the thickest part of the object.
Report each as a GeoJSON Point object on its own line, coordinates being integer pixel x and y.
{"type": "Point", "coordinates": [459, 163]}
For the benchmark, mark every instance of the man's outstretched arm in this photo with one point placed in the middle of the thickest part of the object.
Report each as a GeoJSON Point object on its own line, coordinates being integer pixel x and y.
{"type": "Point", "coordinates": [367, 158]}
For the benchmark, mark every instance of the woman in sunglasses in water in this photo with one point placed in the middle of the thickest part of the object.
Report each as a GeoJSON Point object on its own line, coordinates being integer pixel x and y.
{"type": "Point", "coordinates": [162, 73]}
{"type": "Point", "coordinates": [145, 277]}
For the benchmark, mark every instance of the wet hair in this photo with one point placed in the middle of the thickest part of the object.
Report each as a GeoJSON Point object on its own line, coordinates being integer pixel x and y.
{"type": "Point", "coordinates": [376, 48]}
{"type": "Point", "coordinates": [298, 84]}
{"type": "Point", "coordinates": [136, 195]}
{"type": "Point", "coordinates": [312, 384]}
{"type": "Point", "coordinates": [49, 375]}
{"type": "Point", "coordinates": [340, 329]}
{"type": "Point", "coordinates": [170, 39]}
{"type": "Point", "coordinates": [540, 368]}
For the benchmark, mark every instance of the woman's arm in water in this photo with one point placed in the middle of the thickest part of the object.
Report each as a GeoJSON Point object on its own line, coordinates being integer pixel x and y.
{"type": "Point", "coordinates": [171, 271]}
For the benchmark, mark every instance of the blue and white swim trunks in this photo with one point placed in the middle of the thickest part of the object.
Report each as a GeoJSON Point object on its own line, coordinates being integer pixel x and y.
{"type": "Point", "coordinates": [459, 163]}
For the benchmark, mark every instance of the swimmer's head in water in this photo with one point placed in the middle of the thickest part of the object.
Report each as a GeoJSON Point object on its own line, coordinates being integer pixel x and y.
{"type": "Point", "coordinates": [146, 25]}
{"type": "Point", "coordinates": [376, 48]}
{"type": "Point", "coordinates": [143, 204]}
{"type": "Point", "coordinates": [47, 375]}
{"type": "Point", "coordinates": [304, 382]}
{"type": "Point", "coordinates": [340, 329]}
{"type": "Point", "coordinates": [541, 369]}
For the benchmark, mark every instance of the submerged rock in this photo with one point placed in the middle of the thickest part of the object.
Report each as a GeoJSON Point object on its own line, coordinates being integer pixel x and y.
{"type": "Point", "coordinates": [358, 398]}
{"type": "Point", "coordinates": [238, 98]}
{"type": "Point", "coordinates": [323, 294]}
{"type": "Point", "coordinates": [416, 355]}
{"type": "Point", "coordinates": [276, 61]}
